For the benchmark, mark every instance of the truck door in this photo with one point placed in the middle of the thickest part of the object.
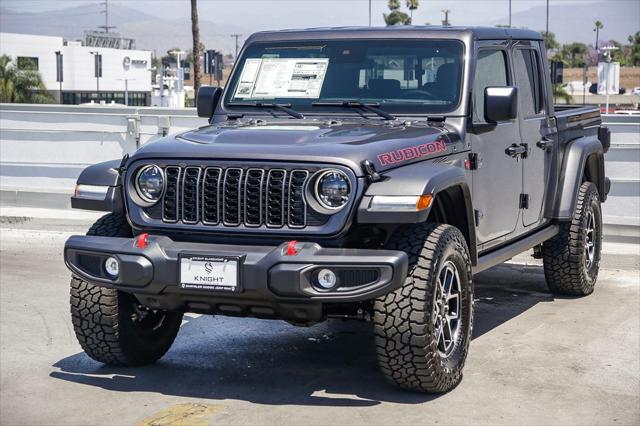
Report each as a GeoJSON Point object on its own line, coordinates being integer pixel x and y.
{"type": "Point", "coordinates": [534, 130]}
{"type": "Point", "coordinates": [497, 180]}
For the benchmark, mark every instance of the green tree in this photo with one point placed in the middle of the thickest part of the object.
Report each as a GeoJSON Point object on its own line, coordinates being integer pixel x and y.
{"type": "Point", "coordinates": [634, 51]}
{"type": "Point", "coordinates": [573, 54]}
{"type": "Point", "coordinates": [412, 5]}
{"type": "Point", "coordinates": [560, 92]}
{"type": "Point", "coordinates": [22, 85]}
{"type": "Point", "coordinates": [396, 17]}
{"type": "Point", "coordinates": [550, 40]}
{"type": "Point", "coordinates": [620, 54]}
{"type": "Point", "coordinates": [598, 25]}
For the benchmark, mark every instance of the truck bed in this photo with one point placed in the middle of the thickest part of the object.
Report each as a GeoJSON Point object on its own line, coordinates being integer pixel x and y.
{"type": "Point", "coordinates": [575, 121]}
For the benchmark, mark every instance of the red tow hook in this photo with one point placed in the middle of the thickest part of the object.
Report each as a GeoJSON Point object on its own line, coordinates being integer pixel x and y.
{"type": "Point", "coordinates": [142, 241]}
{"type": "Point", "coordinates": [291, 248]}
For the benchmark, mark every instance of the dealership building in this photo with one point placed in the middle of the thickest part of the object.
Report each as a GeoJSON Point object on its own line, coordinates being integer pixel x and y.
{"type": "Point", "coordinates": [88, 73]}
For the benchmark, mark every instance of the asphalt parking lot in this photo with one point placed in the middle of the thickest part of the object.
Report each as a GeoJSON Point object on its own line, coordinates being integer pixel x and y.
{"type": "Point", "coordinates": [535, 359]}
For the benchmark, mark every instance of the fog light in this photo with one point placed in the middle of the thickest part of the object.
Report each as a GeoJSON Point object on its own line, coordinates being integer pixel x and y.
{"type": "Point", "coordinates": [327, 279]}
{"type": "Point", "coordinates": [112, 266]}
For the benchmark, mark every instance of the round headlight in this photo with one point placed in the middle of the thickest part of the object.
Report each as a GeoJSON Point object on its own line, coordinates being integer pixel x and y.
{"type": "Point", "coordinates": [150, 183]}
{"type": "Point", "coordinates": [333, 189]}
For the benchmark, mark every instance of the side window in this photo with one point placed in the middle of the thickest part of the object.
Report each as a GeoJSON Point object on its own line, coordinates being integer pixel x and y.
{"type": "Point", "coordinates": [527, 69]}
{"type": "Point", "coordinates": [491, 71]}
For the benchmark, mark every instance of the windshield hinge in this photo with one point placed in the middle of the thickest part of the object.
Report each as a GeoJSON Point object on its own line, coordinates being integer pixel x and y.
{"type": "Point", "coordinates": [372, 175]}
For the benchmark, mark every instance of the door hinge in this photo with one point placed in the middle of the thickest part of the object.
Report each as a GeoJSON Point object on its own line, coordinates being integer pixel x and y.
{"type": "Point", "coordinates": [524, 201]}
{"type": "Point", "coordinates": [477, 216]}
{"type": "Point", "coordinates": [473, 162]}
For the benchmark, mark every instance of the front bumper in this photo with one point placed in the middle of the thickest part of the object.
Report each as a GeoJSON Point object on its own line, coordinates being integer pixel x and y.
{"type": "Point", "coordinates": [272, 283]}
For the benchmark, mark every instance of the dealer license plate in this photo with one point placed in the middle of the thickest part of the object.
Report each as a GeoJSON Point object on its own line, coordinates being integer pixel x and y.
{"type": "Point", "coordinates": [209, 273]}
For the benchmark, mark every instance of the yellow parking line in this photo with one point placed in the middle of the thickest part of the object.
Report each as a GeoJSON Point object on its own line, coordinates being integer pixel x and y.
{"type": "Point", "coordinates": [189, 414]}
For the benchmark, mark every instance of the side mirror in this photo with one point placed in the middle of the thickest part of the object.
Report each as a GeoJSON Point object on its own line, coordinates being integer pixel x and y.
{"type": "Point", "coordinates": [207, 100]}
{"type": "Point", "coordinates": [500, 104]}
{"type": "Point", "coordinates": [557, 69]}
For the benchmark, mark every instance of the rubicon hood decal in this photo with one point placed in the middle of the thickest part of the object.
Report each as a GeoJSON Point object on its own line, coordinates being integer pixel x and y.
{"type": "Point", "coordinates": [412, 152]}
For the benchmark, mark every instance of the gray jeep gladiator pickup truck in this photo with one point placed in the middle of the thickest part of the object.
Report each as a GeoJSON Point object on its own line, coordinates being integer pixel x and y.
{"type": "Point", "coordinates": [363, 173]}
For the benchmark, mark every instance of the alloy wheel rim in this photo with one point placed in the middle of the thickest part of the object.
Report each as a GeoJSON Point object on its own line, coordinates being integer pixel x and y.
{"type": "Point", "coordinates": [590, 240]}
{"type": "Point", "coordinates": [446, 312]}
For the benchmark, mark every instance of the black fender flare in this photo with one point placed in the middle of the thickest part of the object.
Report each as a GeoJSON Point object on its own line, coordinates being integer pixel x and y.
{"type": "Point", "coordinates": [582, 155]}
{"type": "Point", "coordinates": [420, 179]}
{"type": "Point", "coordinates": [106, 175]}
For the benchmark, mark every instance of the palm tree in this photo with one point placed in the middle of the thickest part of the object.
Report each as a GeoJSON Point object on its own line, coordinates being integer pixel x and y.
{"type": "Point", "coordinates": [560, 91]}
{"type": "Point", "coordinates": [195, 32]}
{"type": "Point", "coordinates": [394, 5]}
{"type": "Point", "coordinates": [396, 17]}
{"type": "Point", "coordinates": [599, 25]}
{"type": "Point", "coordinates": [412, 5]}
{"type": "Point", "coordinates": [21, 85]}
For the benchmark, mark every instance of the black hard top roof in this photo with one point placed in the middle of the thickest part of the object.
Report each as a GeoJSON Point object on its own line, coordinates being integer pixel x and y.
{"type": "Point", "coordinates": [397, 31]}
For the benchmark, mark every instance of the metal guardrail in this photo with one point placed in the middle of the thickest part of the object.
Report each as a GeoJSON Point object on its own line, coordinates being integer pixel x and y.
{"type": "Point", "coordinates": [44, 149]}
{"type": "Point", "coordinates": [622, 165]}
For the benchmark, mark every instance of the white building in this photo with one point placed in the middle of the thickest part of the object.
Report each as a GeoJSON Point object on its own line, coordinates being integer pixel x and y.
{"type": "Point", "coordinates": [122, 70]}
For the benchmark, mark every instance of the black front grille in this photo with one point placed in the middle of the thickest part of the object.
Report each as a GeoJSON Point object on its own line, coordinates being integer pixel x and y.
{"type": "Point", "coordinates": [170, 200]}
{"type": "Point", "coordinates": [236, 196]}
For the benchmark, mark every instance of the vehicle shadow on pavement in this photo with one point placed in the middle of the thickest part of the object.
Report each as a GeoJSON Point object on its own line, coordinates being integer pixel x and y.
{"type": "Point", "coordinates": [271, 362]}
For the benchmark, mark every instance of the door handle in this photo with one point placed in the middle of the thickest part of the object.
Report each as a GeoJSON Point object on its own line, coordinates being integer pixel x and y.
{"type": "Point", "coordinates": [545, 144]}
{"type": "Point", "coordinates": [515, 150]}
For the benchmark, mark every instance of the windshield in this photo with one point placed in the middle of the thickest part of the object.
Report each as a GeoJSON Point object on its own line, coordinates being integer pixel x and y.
{"type": "Point", "coordinates": [402, 76]}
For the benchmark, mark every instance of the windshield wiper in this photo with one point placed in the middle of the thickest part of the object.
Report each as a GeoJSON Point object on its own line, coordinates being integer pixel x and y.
{"type": "Point", "coordinates": [280, 107]}
{"type": "Point", "coordinates": [374, 108]}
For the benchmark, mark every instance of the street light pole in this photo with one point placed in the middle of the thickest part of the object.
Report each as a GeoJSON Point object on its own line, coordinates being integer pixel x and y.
{"type": "Point", "coordinates": [369, 12]}
{"type": "Point", "coordinates": [236, 36]}
{"type": "Point", "coordinates": [509, 13]}
{"type": "Point", "coordinates": [126, 89]}
{"type": "Point", "coordinates": [547, 31]}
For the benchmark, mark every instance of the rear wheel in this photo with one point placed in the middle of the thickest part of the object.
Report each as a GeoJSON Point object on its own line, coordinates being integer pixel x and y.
{"type": "Point", "coordinates": [572, 258]}
{"type": "Point", "coordinates": [111, 326]}
{"type": "Point", "coordinates": [423, 329]}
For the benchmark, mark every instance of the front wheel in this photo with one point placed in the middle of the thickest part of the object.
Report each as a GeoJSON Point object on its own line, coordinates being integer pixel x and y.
{"type": "Point", "coordinates": [111, 326]}
{"type": "Point", "coordinates": [423, 329]}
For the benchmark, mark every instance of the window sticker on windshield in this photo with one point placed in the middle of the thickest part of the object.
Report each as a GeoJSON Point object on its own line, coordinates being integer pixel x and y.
{"type": "Point", "coordinates": [282, 78]}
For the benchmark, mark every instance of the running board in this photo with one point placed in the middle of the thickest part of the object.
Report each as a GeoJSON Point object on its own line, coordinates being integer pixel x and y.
{"type": "Point", "coordinates": [507, 252]}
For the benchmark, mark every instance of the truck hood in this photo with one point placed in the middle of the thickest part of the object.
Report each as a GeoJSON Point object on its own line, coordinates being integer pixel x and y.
{"type": "Point", "coordinates": [385, 144]}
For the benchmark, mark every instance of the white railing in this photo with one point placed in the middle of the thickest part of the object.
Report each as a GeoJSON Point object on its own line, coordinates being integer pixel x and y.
{"type": "Point", "coordinates": [43, 149]}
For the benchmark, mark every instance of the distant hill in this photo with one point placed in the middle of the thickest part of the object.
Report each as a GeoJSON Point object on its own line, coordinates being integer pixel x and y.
{"type": "Point", "coordinates": [150, 32]}
{"type": "Point", "coordinates": [574, 22]}
{"type": "Point", "coordinates": [569, 21]}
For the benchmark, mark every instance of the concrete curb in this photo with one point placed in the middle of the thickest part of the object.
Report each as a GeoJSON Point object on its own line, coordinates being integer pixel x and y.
{"type": "Point", "coordinates": [10, 197]}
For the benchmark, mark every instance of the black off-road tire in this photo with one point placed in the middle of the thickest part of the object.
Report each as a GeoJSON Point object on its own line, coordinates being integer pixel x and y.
{"type": "Point", "coordinates": [405, 320]}
{"type": "Point", "coordinates": [103, 318]}
{"type": "Point", "coordinates": [565, 256]}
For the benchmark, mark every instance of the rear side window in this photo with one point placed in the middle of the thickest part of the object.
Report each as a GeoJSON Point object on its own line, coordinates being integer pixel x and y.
{"type": "Point", "coordinates": [491, 71]}
{"type": "Point", "coordinates": [527, 68]}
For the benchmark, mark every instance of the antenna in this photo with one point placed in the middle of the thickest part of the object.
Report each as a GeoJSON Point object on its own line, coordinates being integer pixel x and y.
{"type": "Point", "coordinates": [236, 36]}
{"type": "Point", "coordinates": [106, 27]}
{"type": "Point", "coordinates": [445, 22]}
